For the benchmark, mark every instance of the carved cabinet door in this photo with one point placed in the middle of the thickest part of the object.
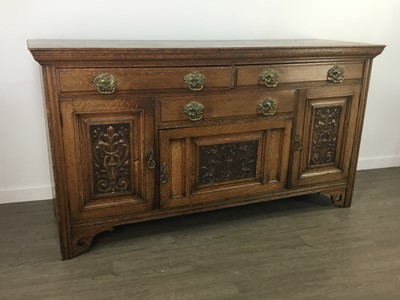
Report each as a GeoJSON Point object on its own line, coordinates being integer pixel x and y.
{"type": "Point", "coordinates": [108, 147]}
{"type": "Point", "coordinates": [216, 162]}
{"type": "Point", "coordinates": [323, 140]}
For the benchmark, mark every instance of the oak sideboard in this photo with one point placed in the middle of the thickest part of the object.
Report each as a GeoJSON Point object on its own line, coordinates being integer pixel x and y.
{"type": "Point", "coordinates": [142, 130]}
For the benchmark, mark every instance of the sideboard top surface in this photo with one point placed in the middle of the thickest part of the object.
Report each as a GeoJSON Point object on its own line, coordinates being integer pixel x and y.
{"type": "Point", "coordinates": [191, 44]}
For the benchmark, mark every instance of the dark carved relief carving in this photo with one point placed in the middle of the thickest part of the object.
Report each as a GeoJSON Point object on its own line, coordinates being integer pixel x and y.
{"type": "Point", "coordinates": [325, 135]}
{"type": "Point", "coordinates": [110, 158]}
{"type": "Point", "coordinates": [225, 162]}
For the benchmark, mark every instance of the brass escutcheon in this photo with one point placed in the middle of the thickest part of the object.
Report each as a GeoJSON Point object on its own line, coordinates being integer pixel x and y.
{"type": "Point", "coordinates": [269, 77]}
{"type": "Point", "coordinates": [164, 174]}
{"type": "Point", "coordinates": [336, 74]}
{"type": "Point", "coordinates": [150, 162]}
{"type": "Point", "coordinates": [105, 83]}
{"type": "Point", "coordinates": [268, 106]}
{"type": "Point", "coordinates": [298, 145]}
{"type": "Point", "coordinates": [195, 81]}
{"type": "Point", "coordinates": [194, 110]}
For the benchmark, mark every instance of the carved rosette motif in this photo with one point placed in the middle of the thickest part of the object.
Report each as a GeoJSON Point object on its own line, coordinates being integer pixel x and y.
{"type": "Point", "coordinates": [325, 135]}
{"type": "Point", "coordinates": [110, 158]}
{"type": "Point", "coordinates": [225, 162]}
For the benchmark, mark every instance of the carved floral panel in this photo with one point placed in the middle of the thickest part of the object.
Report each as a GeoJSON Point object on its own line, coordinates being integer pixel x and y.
{"type": "Point", "coordinates": [110, 158]}
{"type": "Point", "coordinates": [325, 135]}
{"type": "Point", "coordinates": [226, 162]}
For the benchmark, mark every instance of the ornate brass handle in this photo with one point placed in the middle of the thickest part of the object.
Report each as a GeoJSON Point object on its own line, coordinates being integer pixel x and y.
{"type": "Point", "coordinates": [151, 164]}
{"type": "Point", "coordinates": [194, 110]}
{"type": "Point", "coordinates": [195, 81]}
{"type": "Point", "coordinates": [336, 74]}
{"type": "Point", "coordinates": [105, 83]}
{"type": "Point", "coordinates": [163, 174]}
{"type": "Point", "coordinates": [269, 77]}
{"type": "Point", "coordinates": [268, 106]}
{"type": "Point", "coordinates": [298, 145]}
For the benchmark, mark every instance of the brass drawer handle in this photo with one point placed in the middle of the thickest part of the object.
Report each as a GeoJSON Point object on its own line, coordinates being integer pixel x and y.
{"type": "Point", "coordinates": [195, 81]}
{"type": "Point", "coordinates": [268, 106]}
{"type": "Point", "coordinates": [105, 83]}
{"type": "Point", "coordinates": [336, 74]}
{"type": "Point", "coordinates": [151, 164]}
{"type": "Point", "coordinates": [269, 77]}
{"type": "Point", "coordinates": [194, 110]}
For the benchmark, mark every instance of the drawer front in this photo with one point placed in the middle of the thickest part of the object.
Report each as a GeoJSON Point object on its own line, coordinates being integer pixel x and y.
{"type": "Point", "coordinates": [250, 75]}
{"type": "Point", "coordinates": [128, 79]}
{"type": "Point", "coordinates": [227, 105]}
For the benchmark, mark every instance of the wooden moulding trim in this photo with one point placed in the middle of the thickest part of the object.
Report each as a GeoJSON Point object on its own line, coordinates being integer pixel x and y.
{"type": "Point", "coordinates": [47, 56]}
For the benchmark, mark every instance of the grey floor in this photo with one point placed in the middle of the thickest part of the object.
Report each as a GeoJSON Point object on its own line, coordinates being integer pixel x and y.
{"type": "Point", "coordinates": [300, 248]}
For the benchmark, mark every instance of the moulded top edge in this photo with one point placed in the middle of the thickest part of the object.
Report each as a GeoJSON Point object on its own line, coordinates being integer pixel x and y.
{"type": "Point", "coordinates": [48, 44]}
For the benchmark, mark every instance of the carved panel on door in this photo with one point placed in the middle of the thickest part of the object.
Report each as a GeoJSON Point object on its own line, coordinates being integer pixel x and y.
{"type": "Point", "coordinates": [110, 146]}
{"type": "Point", "coordinates": [111, 157]}
{"type": "Point", "coordinates": [325, 135]}
{"type": "Point", "coordinates": [325, 124]}
{"type": "Point", "coordinates": [225, 162]}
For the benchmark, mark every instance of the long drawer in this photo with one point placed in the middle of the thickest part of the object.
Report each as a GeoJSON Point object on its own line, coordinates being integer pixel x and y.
{"type": "Point", "coordinates": [129, 79]}
{"type": "Point", "coordinates": [289, 73]}
{"type": "Point", "coordinates": [237, 104]}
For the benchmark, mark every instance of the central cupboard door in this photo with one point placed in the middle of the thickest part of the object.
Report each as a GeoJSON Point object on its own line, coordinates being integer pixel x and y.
{"type": "Point", "coordinates": [212, 163]}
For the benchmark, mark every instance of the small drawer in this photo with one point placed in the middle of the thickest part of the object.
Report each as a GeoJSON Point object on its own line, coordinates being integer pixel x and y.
{"type": "Point", "coordinates": [130, 79]}
{"type": "Point", "coordinates": [250, 75]}
{"type": "Point", "coordinates": [228, 105]}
